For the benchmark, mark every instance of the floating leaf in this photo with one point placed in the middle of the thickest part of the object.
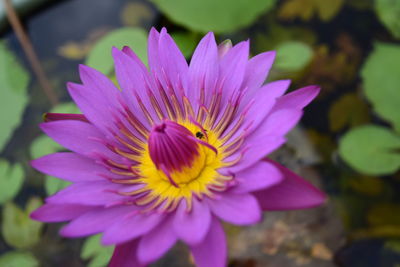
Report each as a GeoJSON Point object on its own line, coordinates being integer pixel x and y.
{"type": "Point", "coordinates": [18, 229]}
{"type": "Point", "coordinates": [53, 184]}
{"type": "Point", "coordinates": [381, 79]}
{"type": "Point", "coordinates": [349, 110]}
{"type": "Point", "coordinates": [13, 83]}
{"type": "Point", "coordinates": [11, 180]}
{"type": "Point", "coordinates": [43, 145]}
{"type": "Point", "coordinates": [99, 255]}
{"type": "Point", "coordinates": [100, 55]}
{"type": "Point", "coordinates": [293, 56]}
{"type": "Point", "coordinates": [18, 259]}
{"type": "Point", "coordinates": [186, 42]}
{"type": "Point", "coordinates": [389, 13]}
{"type": "Point", "coordinates": [135, 13]}
{"type": "Point", "coordinates": [210, 15]}
{"type": "Point", "coordinates": [305, 9]}
{"type": "Point", "coordinates": [372, 150]}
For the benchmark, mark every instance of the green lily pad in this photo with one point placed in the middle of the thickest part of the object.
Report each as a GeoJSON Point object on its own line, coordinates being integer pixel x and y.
{"type": "Point", "coordinates": [389, 14]}
{"type": "Point", "coordinates": [293, 56]}
{"type": "Point", "coordinates": [371, 150]}
{"type": "Point", "coordinates": [53, 184]}
{"type": "Point", "coordinates": [11, 180]}
{"type": "Point", "coordinates": [13, 83]}
{"type": "Point", "coordinates": [18, 259]}
{"type": "Point", "coordinates": [100, 55]}
{"type": "Point", "coordinates": [186, 42]}
{"type": "Point", "coordinates": [210, 15]}
{"type": "Point", "coordinates": [67, 107]}
{"type": "Point", "coordinates": [18, 229]}
{"type": "Point", "coordinates": [381, 79]}
{"type": "Point", "coordinates": [99, 255]}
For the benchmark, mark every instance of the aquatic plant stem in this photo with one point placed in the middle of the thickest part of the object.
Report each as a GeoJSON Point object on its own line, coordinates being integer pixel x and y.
{"type": "Point", "coordinates": [29, 52]}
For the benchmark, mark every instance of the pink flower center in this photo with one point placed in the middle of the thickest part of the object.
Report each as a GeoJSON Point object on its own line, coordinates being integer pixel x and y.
{"type": "Point", "coordinates": [172, 147]}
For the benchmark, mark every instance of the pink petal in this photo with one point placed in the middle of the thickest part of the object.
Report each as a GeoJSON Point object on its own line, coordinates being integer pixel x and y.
{"type": "Point", "coordinates": [99, 84]}
{"type": "Point", "coordinates": [125, 255]}
{"type": "Point", "coordinates": [89, 193]}
{"type": "Point", "coordinates": [69, 166]}
{"type": "Point", "coordinates": [134, 81]}
{"type": "Point", "coordinates": [257, 70]}
{"type": "Point", "coordinates": [131, 227]}
{"type": "Point", "coordinates": [239, 209]}
{"type": "Point", "coordinates": [297, 99]}
{"type": "Point", "coordinates": [292, 193]}
{"type": "Point", "coordinates": [172, 62]}
{"type": "Point", "coordinates": [77, 136]}
{"type": "Point", "coordinates": [213, 250]}
{"type": "Point", "coordinates": [263, 100]}
{"type": "Point", "coordinates": [156, 243]}
{"type": "Point", "coordinates": [254, 151]}
{"type": "Point", "coordinates": [203, 70]}
{"type": "Point", "coordinates": [259, 176]}
{"type": "Point", "coordinates": [129, 52]}
{"type": "Point", "coordinates": [232, 69]}
{"type": "Point", "coordinates": [278, 123]}
{"type": "Point", "coordinates": [223, 48]}
{"type": "Point", "coordinates": [59, 213]}
{"type": "Point", "coordinates": [95, 221]}
{"type": "Point", "coordinates": [152, 49]}
{"type": "Point", "coordinates": [192, 226]}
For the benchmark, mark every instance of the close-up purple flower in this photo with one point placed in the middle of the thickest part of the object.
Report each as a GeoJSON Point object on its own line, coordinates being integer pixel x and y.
{"type": "Point", "coordinates": [174, 151]}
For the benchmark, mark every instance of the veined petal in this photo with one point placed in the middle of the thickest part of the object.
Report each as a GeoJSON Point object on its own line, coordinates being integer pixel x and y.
{"type": "Point", "coordinates": [257, 70]}
{"type": "Point", "coordinates": [125, 255]}
{"type": "Point", "coordinates": [213, 250]}
{"type": "Point", "coordinates": [232, 69]}
{"type": "Point", "coordinates": [91, 193]}
{"type": "Point", "coordinates": [95, 221]}
{"type": "Point", "coordinates": [239, 209]}
{"type": "Point", "coordinates": [203, 70]}
{"type": "Point", "coordinates": [131, 227]}
{"type": "Point", "coordinates": [77, 136]}
{"type": "Point", "coordinates": [259, 176]}
{"type": "Point", "coordinates": [60, 212]}
{"type": "Point", "coordinates": [69, 166]}
{"type": "Point", "coordinates": [192, 226]}
{"type": "Point", "coordinates": [297, 99]}
{"type": "Point", "coordinates": [154, 244]}
{"type": "Point", "coordinates": [292, 193]}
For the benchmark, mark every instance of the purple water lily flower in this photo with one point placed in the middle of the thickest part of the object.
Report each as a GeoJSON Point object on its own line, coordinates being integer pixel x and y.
{"type": "Point", "coordinates": [175, 151]}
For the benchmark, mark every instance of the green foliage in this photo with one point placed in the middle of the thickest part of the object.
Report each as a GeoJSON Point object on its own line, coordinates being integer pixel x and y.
{"type": "Point", "coordinates": [18, 229]}
{"type": "Point", "coordinates": [100, 55]}
{"type": "Point", "coordinates": [389, 13]}
{"type": "Point", "coordinates": [305, 9]}
{"type": "Point", "coordinates": [186, 42]}
{"type": "Point", "coordinates": [53, 184]}
{"type": "Point", "coordinates": [381, 79]}
{"type": "Point", "coordinates": [372, 150]}
{"type": "Point", "coordinates": [13, 83]}
{"type": "Point", "coordinates": [349, 110]}
{"type": "Point", "coordinates": [99, 255]}
{"type": "Point", "coordinates": [18, 259]}
{"type": "Point", "coordinates": [210, 15]}
{"type": "Point", "coordinates": [11, 180]}
{"type": "Point", "coordinates": [293, 56]}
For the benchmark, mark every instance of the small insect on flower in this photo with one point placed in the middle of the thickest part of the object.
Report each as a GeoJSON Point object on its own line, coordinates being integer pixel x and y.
{"type": "Point", "coordinates": [177, 150]}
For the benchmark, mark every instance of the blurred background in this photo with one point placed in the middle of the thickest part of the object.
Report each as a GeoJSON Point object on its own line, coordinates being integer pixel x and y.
{"type": "Point", "coordinates": [348, 142]}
